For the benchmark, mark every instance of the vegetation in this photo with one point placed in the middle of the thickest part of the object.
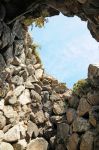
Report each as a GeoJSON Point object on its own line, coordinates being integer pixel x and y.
{"type": "Point", "coordinates": [81, 87]}
{"type": "Point", "coordinates": [38, 22]}
{"type": "Point", "coordinates": [35, 48]}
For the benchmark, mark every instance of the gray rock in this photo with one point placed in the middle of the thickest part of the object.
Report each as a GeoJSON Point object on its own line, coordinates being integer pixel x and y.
{"type": "Point", "coordinates": [24, 98]}
{"type": "Point", "coordinates": [2, 121]}
{"type": "Point", "coordinates": [35, 96]}
{"type": "Point", "coordinates": [1, 135]}
{"type": "Point", "coordinates": [87, 141]}
{"type": "Point", "coordinates": [32, 129]}
{"type": "Point", "coordinates": [39, 117]}
{"type": "Point", "coordinates": [80, 125]}
{"type": "Point", "coordinates": [17, 80]}
{"type": "Point", "coordinates": [19, 90]}
{"type": "Point", "coordinates": [20, 145]}
{"type": "Point", "coordinates": [2, 63]}
{"type": "Point", "coordinates": [71, 115]}
{"type": "Point", "coordinates": [82, 1]}
{"type": "Point", "coordinates": [1, 104]}
{"type": "Point", "coordinates": [63, 132]}
{"type": "Point", "coordinates": [13, 134]}
{"type": "Point", "coordinates": [18, 46]}
{"type": "Point", "coordinates": [6, 146]}
{"type": "Point", "coordinates": [38, 144]}
{"type": "Point", "coordinates": [39, 73]}
{"type": "Point", "coordinates": [59, 107]}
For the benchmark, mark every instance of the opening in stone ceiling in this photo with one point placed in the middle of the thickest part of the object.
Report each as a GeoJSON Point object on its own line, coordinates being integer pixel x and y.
{"type": "Point", "coordinates": [67, 48]}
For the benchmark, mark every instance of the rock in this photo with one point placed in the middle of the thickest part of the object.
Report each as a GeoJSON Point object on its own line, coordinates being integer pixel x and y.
{"type": "Point", "coordinates": [18, 46]}
{"type": "Point", "coordinates": [63, 132]}
{"type": "Point", "coordinates": [93, 74]}
{"type": "Point", "coordinates": [39, 117]}
{"type": "Point", "coordinates": [96, 142]}
{"type": "Point", "coordinates": [59, 107]}
{"type": "Point", "coordinates": [83, 107]}
{"type": "Point", "coordinates": [1, 104]}
{"type": "Point", "coordinates": [1, 135]}
{"type": "Point", "coordinates": [71, 115]}
{"type": "Point", "coordinates": [16, 61]}
{"type": "Point", "coordinates": [24, 73]}
{"type": "Point", "coordinates": [73, 142]}
{"type": "Point", "coordinates": [17, 80]}
{"type": "Point", "coordinates": [32, 79]}
{"type": "Point", "coordinates": [67, 95]}
{"type": "Point", "coordinates": [38, 88]}
{"type": "Point", "coordinates": [80, 125]}
{"type": "Point", "coordinates": [7, 127]}
{"type": "Point", "coordinates": [94, 116]}
{"type": "Point", "coordinates": [39, 73]}
{"type": "Point", "coordinates": [29, 85]}
{"type": "Point", "coordinates": [60, 88]}
{"type": "Point", "coordinates": [87, 141]}
{"type": "Point", "coordinates": [74, 102]}
{"type": "Point", "coordinates": [6, 146]}
{"type": "Point", "coordinates": [24, 98]}
{"type": "Point", "coordinates": [32, 129]}
{"type": "Point", "coordinates": [93, 98]}
{"type": "Point", "coordinates": [35, 96]}
{"type": "Point", "coordinates": [82, 1]}
{"type": "Point", "coordinates": [2, 63]}
{"type": "Point", "coordinates": [8, 54]}
{"type": "Point", "coordinates": [38, 144]}
{"type": "Point", "coordinates": [2, 121]}
{"type": "Point", "coordinates": [13, 134]}
{"type": "Point", "coordinates": [31, 69]}
{"type": "Point", "coordinates": [52, 142]}
{"type": "Point", "coordinates": [19, 90]}
{"type": "Point", "coordinates": [20, 145]}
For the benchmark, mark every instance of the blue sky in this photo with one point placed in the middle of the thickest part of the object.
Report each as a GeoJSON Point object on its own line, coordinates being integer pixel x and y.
{"type": "Point", "coordinates": [67, 48]}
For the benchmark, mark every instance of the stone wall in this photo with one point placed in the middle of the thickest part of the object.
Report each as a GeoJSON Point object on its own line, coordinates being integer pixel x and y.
{"type": "Point", "coordinates": [87, 10]}
{"type": "Point", "coordinates": [36, 111]}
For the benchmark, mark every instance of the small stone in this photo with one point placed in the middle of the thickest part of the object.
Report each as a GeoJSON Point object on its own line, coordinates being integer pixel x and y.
{"type": "Point", "coordinates": [71, 115]}
{"type": "Point", "coordinates": [82, 1]}
{"type": "Point", "coordinates": [87, 141]}
{"type": "Point", "coordinates": [39, 117]}
{"type": "Point", "coordinates": [73, 102]}
{"type": "Point", "coordinates": [32, 79]}
{"type": "Point", "coordinates": [60, 88]}
{"type": "Point", "coordinates": [20, 145]}
{"type": "Point", "coordinates": [59, 107]}
{"type": "Point", "coordinates": [29, 85]}
{"type": "Point", "coordinates": [16, 61]}
{"type": "Point", "coordinates": [19, 90]}
{"type": "Point", "coordinates": [84, 107]}
{"type": "Point", "coordinates": [63, 132]}
{"type": "Point", "coordinates": [17, 80]}
{"type": "Point", "coordinates": [1, 135]}
{"type": "Point", "coordinates": [94, 116]}
{"type": "Point", "coordinates": [80, 125]}
{"type": "Point", "coordinates": [38, 144]}
{"type": "Point", "coordinates": [96, 142]}
{"type": "Point", "coordinates": [35, 96]}
{"type": "Point", "coordinates": [2, 121]}
{"type": "Point", "coordinates": [6, 146]}
{"type": "Point", "coordinates": [73, 142]}
{"type": "Point", "coordinates": [13, 134]}
{"type": "Point", "coordinates": [7, 127]}
{"type": "Point", "coordinates": [32, 129]}
{"type": "Point", "coordinates": [93, 98]}
{"type": "Point", "coordinates": [37, 66]}
{"type": "Point", "coordinates": [24, 98]}
{"type": "Point", "coordinates": [30, 69]}
{"type": "Point", "coordinates": [39, 73]}
{"type": "Point", "coordinates": [1, 104]}
{"type": "Point", "coordinates": [38, 88]}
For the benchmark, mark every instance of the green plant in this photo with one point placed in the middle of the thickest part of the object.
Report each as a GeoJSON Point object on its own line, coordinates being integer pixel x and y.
{"type": "Point", "coordinates": [35, 48]}
{"type": "Point", "coordinates": [81, 87]}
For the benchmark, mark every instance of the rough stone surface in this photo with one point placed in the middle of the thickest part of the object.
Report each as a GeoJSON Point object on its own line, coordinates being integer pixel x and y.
{"type": "Point", "coordinates": [38, 144]}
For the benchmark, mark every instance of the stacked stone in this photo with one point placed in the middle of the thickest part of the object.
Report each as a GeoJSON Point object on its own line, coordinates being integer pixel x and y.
{"type": "Point", "coordinates": [36, 111]}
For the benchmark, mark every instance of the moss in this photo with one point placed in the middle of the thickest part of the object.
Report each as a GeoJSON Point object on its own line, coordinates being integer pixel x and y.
{"type": "Point", "coordinates": [81, 87]}
{"type": "Point", "coordinates": [35, 48]}
{"type": "Point", "coordinates": [38, 22]}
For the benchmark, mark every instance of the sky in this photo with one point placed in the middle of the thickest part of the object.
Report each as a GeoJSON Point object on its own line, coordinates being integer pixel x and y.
{"type": "Point", "coordinates": [67, 48]}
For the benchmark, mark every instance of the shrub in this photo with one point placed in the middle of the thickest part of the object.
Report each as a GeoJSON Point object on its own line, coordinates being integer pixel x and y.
{"type": "Point", "coordinates": [81, 87]}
